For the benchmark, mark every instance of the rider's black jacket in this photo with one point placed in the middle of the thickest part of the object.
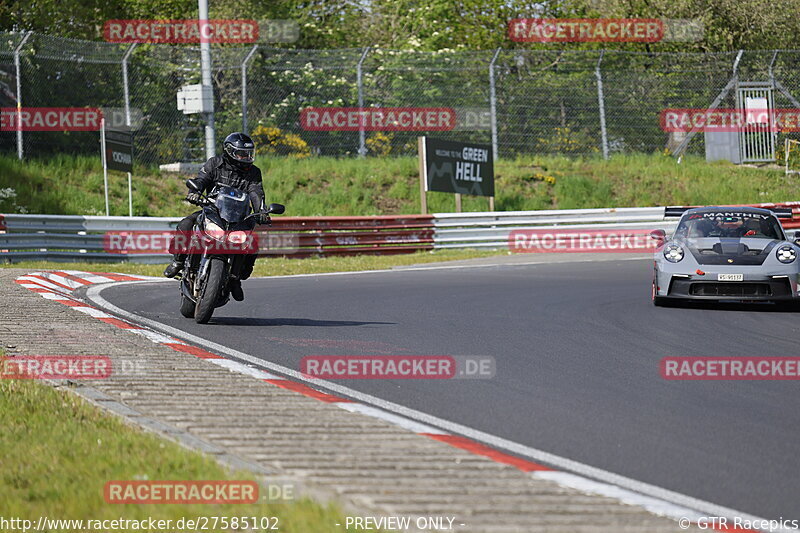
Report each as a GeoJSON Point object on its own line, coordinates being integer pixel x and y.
{"type": "Point", "coordinates": [218, 171]}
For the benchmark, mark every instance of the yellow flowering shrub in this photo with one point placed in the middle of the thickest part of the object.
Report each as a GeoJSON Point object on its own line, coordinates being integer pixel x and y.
{"type": "Point", "coordinates": [272, 141]}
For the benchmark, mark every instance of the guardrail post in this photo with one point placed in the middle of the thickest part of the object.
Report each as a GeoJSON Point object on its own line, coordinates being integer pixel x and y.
{"type": "Point", "coordinates": [601, 104]}
{"type": "Point", "coordinates": [18, 72]}
{"type": "Point", "coordinates": [362, 138]}
{"type": "Point", "coordinates": [244, 88]}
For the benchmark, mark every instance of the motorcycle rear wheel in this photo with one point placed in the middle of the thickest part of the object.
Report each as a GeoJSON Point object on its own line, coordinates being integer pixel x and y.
{"type": "Point", "coordinates": [187, 307]}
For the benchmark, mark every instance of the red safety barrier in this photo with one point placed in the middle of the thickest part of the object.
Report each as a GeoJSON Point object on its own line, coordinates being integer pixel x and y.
{"type": "Point", "coordinates": [792, 223]}
{"type": "Point", "coordinates": [334, 235]}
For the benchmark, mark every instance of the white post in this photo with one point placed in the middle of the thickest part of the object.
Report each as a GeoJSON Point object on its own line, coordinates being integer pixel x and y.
{"type": "Point", "coordinates": [601, 103]}
{"type": "Point", "coordinates": [103, 157]}
{"type": "Point", "coordinates": [493, 111]}
{"type": "Point", "coordinates": [130, 195]}
{"type": "Point", "coordinates": [128, 118]}
{"type": "Point", "coordinates": [362, 139]}
{"type": "Point", "coordinates": [205, 69]}
{"type": "Point", "coordinates": [244, 89]}
{"type": "Point", "coordinates": [18, 72]}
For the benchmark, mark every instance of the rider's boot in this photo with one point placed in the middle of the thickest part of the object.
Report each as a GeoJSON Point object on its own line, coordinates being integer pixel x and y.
{"type": "Point", "coordinates": [175, 268]}
{"type": "Point", "coordinates": [235, 286]}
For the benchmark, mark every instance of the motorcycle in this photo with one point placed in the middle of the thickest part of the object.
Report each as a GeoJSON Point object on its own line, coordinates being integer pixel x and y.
{"type": "Point", "coordinates": [223, 224]}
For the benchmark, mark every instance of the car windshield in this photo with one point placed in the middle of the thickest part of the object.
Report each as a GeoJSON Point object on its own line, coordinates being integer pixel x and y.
{"type": "Point", "coordinates": [729, 225]}
{"type": "Point", "coordinates": [232, 203]}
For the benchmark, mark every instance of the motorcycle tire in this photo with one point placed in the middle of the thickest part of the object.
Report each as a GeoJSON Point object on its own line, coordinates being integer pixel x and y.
{"type": "Point", "coordinates": [187, 307]}
{"type": "Point", "coordinates": [212, 289]}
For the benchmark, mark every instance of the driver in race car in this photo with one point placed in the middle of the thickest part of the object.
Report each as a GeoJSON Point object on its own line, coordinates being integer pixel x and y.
{"type": "Point", "coordinates": [234, 168]}
{"type": "Point", "coordinates": [731, 226]}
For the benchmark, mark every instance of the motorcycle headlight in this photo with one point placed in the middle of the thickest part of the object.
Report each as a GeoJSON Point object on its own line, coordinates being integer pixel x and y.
{"type": "Point", "coordinates": [786, 254]}
{"type": "Point", "coordinates": [237, 237]}
{"type": "Point", "coordinates": [673, 253]}
{"type": "Point", "coordinates": [213, 230]}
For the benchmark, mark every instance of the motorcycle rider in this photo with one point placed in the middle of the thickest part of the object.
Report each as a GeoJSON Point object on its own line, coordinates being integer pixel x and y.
{"type": "Point", "coordinates": [234, 168]}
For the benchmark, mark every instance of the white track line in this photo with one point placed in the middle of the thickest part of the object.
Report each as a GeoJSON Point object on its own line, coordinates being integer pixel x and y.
{"type": "Point", "coordinates": [674, 502]}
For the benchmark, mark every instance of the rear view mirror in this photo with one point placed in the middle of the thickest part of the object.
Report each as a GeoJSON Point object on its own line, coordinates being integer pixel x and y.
{"type": "Point", "coordinates": [278, 209]}
{"type": "Point", "coordinates": [193, 185]}
{"type": "Point", "coordinates": [658, 234]}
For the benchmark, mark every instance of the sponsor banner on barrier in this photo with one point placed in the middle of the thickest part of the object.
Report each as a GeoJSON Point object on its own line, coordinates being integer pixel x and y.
{"type": "Point", "coordinates": [55, 367]}
{"type": "Point", "coordinates": [397, 367]}
{"type": "Point", "coordinates": [555, 30]}
{"type": "Point", "coordinates": [181, 492]}
{"type": "Point", "coordinates": [378, 119]}
{"type": "Point", "coordinates": [730, 120]}
{"type": "Point", "coordinates": [195, 242]}
{"type": "Point", "coordinates": [215, 31]}
{"type": "Point", "coordinates": [730, 368]}
{"type": "Point", "coordinates": [582, 241]}
{"type": "Point", "coordinates": [50, 119]}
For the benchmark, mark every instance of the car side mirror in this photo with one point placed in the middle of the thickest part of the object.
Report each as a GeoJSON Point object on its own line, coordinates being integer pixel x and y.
{"type": "Point", "coordinates": [658, 234]}
{"type": "Point", "coordinates": [193, 185]}
{"type": "Point", "coordinates": [278, 209]}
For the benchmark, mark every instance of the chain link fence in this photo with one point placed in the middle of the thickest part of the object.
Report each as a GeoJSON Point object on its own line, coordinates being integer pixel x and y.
{"type": "Point", "coordinates": [522, 101]}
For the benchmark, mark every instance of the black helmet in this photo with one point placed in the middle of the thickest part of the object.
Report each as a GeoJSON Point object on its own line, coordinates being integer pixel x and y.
{"type": "Point", "coordinates": [239, 149]}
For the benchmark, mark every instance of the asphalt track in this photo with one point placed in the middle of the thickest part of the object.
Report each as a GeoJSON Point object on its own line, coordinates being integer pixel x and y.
{"type": "Point", "coordinates": [577, 349]}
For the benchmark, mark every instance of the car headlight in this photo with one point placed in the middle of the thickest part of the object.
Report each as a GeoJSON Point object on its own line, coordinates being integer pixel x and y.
{"type": "Point", "coordinates": [237, 237]}
{"type": "Point", "coordinates": [673, 253]}
{"type": "Point", "coordinates": [213, 230]}
{"type": "Point", "coordinates": [786, 254]}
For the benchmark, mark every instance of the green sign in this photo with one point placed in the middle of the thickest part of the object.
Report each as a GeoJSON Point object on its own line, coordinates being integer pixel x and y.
{"type": "Point", "coordinates": [458, 167]}
{"type": "Point", "coordinates": [119, 150]}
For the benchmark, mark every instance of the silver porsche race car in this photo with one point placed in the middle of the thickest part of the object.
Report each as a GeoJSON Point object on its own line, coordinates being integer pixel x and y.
{"type": "Point", "coordinates": [726, 253]}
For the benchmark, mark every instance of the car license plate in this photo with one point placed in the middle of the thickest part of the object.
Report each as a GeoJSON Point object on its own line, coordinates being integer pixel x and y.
{"type": "Point", "coordinates": [730, 277]}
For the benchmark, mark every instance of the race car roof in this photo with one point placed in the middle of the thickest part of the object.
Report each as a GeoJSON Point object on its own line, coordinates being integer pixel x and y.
{"type": "Point", "coordinates": [780, 212]}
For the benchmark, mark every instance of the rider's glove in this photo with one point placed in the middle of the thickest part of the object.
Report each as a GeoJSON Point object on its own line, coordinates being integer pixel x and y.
{"type": "Point", "coordinates": [193, 198]}
{"type": "Point", "coordinates": [263, 218]}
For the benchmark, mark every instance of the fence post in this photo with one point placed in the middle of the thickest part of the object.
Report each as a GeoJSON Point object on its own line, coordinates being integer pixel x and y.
{"type": "Point", "coordinates": [244, 88]}
{"type": "Point", "coordinates": [601, 104]}
{"type": "Point", "coordinates": [126, 93]}
{"type": "Point", "coordinates": [18, 72]}
{"type": "Point", "coordinates": [493, 106]}
{"type": "Point", "coordinates": [125, 86]}
{"type": "Point", "coordinates": [362, 138]}
{"type": "Point", "coordinates": [205, 72]}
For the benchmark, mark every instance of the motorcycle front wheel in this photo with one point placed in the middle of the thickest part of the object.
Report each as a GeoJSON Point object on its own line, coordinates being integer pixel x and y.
{"type": "Point", "coordinates": [211, 291]}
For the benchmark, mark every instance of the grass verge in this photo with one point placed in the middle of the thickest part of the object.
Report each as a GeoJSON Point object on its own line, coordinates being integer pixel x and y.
{"type": "Point", "coordinates": [373, 186]}
{"type": "Point", "coordinates": [59, 451]}
{"type": "Point", "coordinates": [278, 266]}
